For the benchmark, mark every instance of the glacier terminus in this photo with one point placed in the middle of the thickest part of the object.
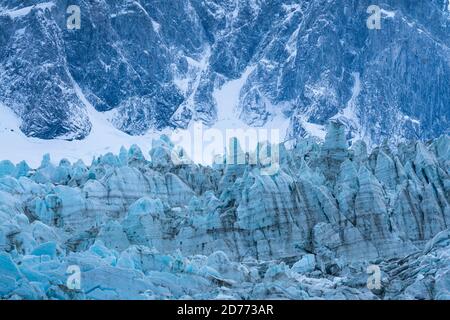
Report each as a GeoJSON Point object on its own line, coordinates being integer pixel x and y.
{"type": "Point", "coordinates": [224, 149]}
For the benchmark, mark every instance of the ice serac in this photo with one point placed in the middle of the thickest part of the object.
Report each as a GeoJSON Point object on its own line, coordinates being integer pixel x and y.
{"type": "Point", "coordinates": [334, 149]}
{"type": "Point", "coordinates": [144, 223]}
{"type": "Point", "coordinates": [174, 229]}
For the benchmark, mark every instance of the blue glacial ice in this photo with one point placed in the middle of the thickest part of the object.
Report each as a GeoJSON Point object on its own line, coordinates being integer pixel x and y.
{"type": "Point", "coordinates": [140, 227]}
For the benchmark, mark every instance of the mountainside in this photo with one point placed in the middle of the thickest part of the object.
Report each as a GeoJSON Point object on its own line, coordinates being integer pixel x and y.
{"type": "Point", "coordinates": [138, 228]}
{"type": "Point", "coordinates": [358, 181]}
{"type": "Point", "coordinates": [153, 64]}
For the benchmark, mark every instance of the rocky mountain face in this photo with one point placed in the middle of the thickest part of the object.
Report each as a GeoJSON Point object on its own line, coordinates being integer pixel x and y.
{"type": "Point", "coordinates": [152, 64]}
{"type": "Point", "coordinates": [149, 227]}
{"type": "Point", "coordinates": [139, 228]}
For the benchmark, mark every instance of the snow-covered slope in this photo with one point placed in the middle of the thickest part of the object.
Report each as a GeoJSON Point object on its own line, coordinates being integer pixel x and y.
{"type": "Point", "coordinates": [104, 138]}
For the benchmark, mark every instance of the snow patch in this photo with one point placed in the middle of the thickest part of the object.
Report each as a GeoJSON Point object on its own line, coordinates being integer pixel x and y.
{"type": "Point", "coordinates": [408, 118]}
{"type": "Point", "coordinates": [227, 97]}
{"type": "Point", "coordinates": [314, 130]}
{"type": "Point", "coordinates": [291, 45]}
{"type": "Point", "coordinates": [349, 111]}
{"type": "Point", "coordinates": [18, 13]}
{"type": "Point", "coordinates": [190, 83]}
{"type": "Point", "coordinates": [348, 115]}
{"type": "Point", "coordinates": [387, 13]}
{"type": "Point", "coordinates": [156, 26]}
{"type": "Point", "coordinates": [121, 13]}
{"type": "Point", "coordinates": [290, 10]}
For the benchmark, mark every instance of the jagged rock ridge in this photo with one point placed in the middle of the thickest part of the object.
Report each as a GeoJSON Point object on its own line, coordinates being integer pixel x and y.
{"type": "Point", "coordinates": [155, 64]}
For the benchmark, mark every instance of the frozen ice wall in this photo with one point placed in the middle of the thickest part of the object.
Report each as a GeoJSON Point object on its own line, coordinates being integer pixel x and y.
{"type": "Point", "coordinates": [142, 227]}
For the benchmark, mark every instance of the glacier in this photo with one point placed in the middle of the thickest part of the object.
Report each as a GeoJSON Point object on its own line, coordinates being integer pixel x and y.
{"type": "Point", "coordinates": [95, 205]}
{"type": "Point", "coordinates": [140, 226]}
